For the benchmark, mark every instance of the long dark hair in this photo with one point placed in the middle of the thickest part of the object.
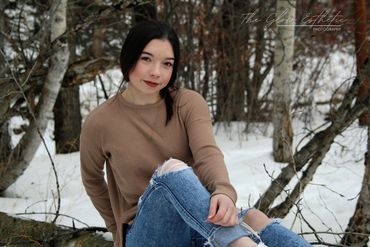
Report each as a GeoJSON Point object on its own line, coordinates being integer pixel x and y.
{"type": "Point", "coordinates": [138, 37]}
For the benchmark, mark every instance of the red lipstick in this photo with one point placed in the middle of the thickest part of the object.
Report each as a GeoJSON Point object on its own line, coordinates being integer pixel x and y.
{"type": "Point", "coordinates": [151, 84]}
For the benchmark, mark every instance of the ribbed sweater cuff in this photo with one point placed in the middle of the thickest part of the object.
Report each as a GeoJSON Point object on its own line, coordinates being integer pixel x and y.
{"type": "Point", "coordinates": [226, 189]}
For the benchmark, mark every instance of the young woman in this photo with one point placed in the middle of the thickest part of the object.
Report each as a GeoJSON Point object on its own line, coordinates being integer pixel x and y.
{"type": "Point", "coordinates": [166, 178]}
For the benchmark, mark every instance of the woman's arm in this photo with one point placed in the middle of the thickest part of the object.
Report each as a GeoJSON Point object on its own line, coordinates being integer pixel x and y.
{"type": "Point", "coordinates": [92, 165]}
{"type": "Point", "coordinates": [209, 161]}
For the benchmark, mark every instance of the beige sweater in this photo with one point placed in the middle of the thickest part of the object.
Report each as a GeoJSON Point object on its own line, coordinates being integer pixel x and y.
{"type": "Point", "coordinates": [132, 141]}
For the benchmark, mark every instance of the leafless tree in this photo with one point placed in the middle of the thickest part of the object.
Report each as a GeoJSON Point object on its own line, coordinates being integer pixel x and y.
{"type": "Point", "coordinates": [306, 160]}
{"type": "Point", "coordinates": [28, 55]}
{"type": "Point", "coordinates": [19, 158]}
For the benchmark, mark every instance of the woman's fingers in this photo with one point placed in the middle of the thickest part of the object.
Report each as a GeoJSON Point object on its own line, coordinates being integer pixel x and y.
{"type": "Point", "coordinates": [222, 211]}
{"type": "Point", "coordinates": [213, 207]}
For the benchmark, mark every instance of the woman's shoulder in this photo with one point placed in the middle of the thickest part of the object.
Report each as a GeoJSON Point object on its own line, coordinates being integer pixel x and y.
{"type": "Point", "coordinates": [184, 96]}
{"type": "Point", "coordinates": [102, 113]}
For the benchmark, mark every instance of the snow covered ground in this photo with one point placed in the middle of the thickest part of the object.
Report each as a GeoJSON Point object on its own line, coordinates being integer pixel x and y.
{"type": "Point", "coordinates": [327, 203]}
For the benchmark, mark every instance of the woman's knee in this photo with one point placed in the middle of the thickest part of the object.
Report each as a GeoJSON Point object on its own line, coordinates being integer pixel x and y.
{"type": "Point", "coordinates": [171, 165]}
{"type": "Point", "coordinates": [256, 219]}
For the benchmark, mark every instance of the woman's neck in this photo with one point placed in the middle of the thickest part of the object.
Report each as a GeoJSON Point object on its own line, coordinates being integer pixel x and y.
{"type": "Point", "coordinates": [130, 96]}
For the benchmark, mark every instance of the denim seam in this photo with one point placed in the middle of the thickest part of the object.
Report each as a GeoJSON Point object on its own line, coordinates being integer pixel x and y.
{"type": "Point", "coordinates": [212, 239]}
{"type": "Point", "coordinates": [163, 186]}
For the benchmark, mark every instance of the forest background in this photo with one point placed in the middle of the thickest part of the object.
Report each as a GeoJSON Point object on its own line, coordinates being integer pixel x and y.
{"type": "Point", "coordinates": [256, 62]}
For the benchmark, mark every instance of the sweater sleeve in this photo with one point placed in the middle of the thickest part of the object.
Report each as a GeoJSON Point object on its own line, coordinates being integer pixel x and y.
{"type": "Point", "coordinates": [209, 162]}
{"type": "Point", "coordinates": [92, 172]}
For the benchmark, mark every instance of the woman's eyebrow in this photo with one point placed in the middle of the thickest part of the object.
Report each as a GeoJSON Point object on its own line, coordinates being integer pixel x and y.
{"type": "Point", "coordinates": [150, 54]}
{"type": "Point", "coordinates": [147, 53]}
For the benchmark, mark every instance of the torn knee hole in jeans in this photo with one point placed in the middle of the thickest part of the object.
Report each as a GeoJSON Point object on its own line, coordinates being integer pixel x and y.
{"type": "Point", "coordinates": [171, 165]}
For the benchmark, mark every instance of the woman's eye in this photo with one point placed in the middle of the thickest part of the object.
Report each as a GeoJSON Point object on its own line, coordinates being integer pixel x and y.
{"type": "Point", "coordinates": [146, 59]}
{"type": "Point", "coordinates": [168, 64]}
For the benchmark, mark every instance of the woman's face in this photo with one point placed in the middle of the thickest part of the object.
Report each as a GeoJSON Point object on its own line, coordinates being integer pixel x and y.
{"type": "Point", "coordinates": [153, 69]}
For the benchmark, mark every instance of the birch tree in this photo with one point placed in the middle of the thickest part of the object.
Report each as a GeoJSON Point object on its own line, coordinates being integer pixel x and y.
{"type": "Point", "coordinates": [24, 151]}
{"type": "Point", "coordinates": [283, 59]}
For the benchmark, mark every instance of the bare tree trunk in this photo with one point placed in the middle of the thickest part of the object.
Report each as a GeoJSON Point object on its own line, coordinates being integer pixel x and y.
{"type": "Point", "coordinates": [27, 146]}
{"type": "Point", "coordinates": [67, 120]}
{"type": "Point", "coordinates": [360, 221]}
{"type": "Point", "coordinates": [2, 39]}
{"type": "Point", "coordinates": [189, 46]}
{"type": "Point", "coordinates": [260, 69]}
{"type": "Point", "coordinates": [359, 224]}
{"type": "Point", "coordinates": [284, 50]}
{"type": "Point", "coordinates": [22, 232]}
{"type": "Point", "coordinates": [67, 115]}
{"type": "Point", "coordinates": [5, 141]}
{"type": "Point", "coordinates": [206, 58]}
{"type": "Point", "coordinates": [230, 86]}
{"type": "Point", "coordinates": [362, 50]}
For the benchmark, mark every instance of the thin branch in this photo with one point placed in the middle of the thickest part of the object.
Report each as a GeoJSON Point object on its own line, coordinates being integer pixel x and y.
{"type": "Point", "coordinates": [51, 213]}
{"type": "Point", "coordinates": [103, 87]}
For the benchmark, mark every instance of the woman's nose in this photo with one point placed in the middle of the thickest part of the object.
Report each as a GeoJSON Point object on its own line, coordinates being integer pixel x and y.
{"type": "Point", "coordinates": [155, 70]}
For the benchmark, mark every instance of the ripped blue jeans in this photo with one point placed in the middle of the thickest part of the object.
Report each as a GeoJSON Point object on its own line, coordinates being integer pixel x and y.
{"type": "Point", "coordinates": [173, 212]}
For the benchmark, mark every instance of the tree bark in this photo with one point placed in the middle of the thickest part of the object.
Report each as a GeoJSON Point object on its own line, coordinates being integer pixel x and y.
{"type": "Point", "coordinates": [283, 59]}
{"type": "Point", "coordinates": [5, 141]}
{"type": "Point", "coordinates": [27, 146]}
{"type": "Point", "coordinates": [360, 221]}
{"type": "Point", "coordinates": [3, 68]}
{"type": "Point", "coordinates": [67, 115]}
{"type": "Point", "coordinates": [362, 50]}
{"type": "Point", "coordinates": [67, 120]}
{"type": "Point", "coordinates": [84, 71]}
{"type": "Point", "coordinates": [260, 69]}
{"type": "Point", "coordinates": [24, 232]}
{"type": "Point", "coordinates": [230, 86]}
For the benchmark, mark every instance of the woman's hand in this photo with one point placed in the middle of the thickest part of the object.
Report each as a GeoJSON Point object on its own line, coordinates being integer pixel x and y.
{"type": "Point", "coordinates": [222, 211]}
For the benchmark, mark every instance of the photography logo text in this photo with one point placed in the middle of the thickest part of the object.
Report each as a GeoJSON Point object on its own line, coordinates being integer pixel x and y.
{"type": "Point", "coordinates": [325, 21]}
